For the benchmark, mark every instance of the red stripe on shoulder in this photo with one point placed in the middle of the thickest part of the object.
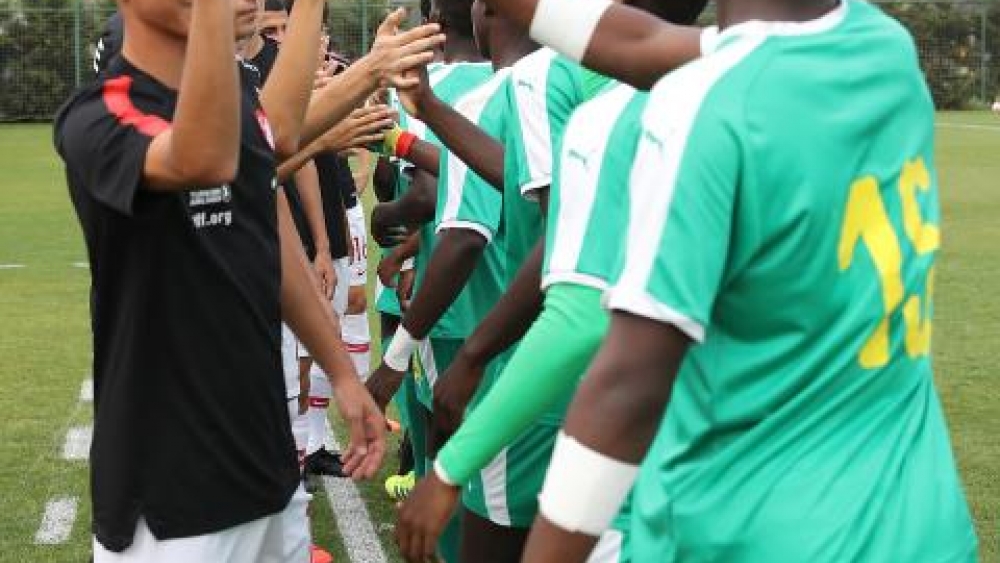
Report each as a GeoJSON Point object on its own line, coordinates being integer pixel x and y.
{"type": "Point", "coordinates": [119, 101]}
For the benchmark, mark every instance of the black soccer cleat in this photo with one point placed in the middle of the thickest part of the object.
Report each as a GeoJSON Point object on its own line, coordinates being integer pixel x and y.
{"type": "Point", "coordinates": [324, 462]}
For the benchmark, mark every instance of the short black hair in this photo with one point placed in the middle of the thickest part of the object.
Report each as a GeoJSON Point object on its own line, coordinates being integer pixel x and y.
{"type": "Point", "coordinates": [455, 16]}
{"type": "Point", "coordinates": [275, 5]}
{"type": "Point", "coordinates": [683, 12]}
{"type": "Point", "coordinates": [425, 9]}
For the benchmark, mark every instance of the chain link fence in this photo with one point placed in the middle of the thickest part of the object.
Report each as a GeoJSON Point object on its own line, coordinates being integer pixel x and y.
{"type": "Point", "coordinates": [46, 47]}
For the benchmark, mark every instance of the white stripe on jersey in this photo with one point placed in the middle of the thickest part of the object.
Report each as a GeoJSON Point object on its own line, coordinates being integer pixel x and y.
{"type": "Point", "coordinates": [471, 106]}
{"type": "Point", "coordinates": [584, 147]}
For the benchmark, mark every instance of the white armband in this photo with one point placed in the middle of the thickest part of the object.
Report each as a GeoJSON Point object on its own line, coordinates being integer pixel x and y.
{"type": "Point", "coordinates": [397, 356]}
{"type": "Point", "coordinates": [584, 489]}
{"type": "Point", "coordinates": [567, 25]}
{"type": "Point", "coordinates": [407, 265]}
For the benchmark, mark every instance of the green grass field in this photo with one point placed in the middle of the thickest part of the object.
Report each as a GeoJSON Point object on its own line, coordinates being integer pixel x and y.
{"type": "Point", "coordinates": [45, 347]}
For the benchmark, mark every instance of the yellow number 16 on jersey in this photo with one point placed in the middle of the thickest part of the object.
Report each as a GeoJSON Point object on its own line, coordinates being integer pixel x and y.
{"type": "Point", "coordinates": [867, 222]}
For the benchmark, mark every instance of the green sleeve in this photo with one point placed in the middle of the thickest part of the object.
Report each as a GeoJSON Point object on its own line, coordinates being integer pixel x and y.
{"type": "Point", "coordinates": [537, 383]}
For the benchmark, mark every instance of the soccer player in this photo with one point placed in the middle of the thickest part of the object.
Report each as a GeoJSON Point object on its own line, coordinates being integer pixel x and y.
{"type": "Point", "coordinates": [768, 353]}
{"type": "Point", "coordinates": [194, 263]}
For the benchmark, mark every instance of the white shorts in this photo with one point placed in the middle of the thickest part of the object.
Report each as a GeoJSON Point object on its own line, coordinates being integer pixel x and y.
{"type": "Point", "coordinates": [359, 244]}
{"type": "Point", "coordinates": [279, 538]}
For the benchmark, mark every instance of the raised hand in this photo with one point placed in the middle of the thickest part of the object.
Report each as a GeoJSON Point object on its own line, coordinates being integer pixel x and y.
{"type": "Point", "coordinates": [394, 52]}
{"type": "Point", "coordinates": [415, 96]}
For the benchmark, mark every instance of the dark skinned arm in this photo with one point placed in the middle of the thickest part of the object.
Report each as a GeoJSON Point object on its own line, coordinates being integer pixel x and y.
{"type": "Point", "coordinates": [627, 388]}
{"type": "Point", "coordinates": [412, 209]}
{"type": "Point", "coordinates": [384, 180]}
{"type": "Point", "coordinates": [629, 44]}
{"type": "Point", "coordinates": [472, 145]}
{"type": "Point", "coordinates": [454, 258]}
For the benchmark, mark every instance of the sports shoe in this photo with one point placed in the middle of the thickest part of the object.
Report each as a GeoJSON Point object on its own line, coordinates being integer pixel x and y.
{"type": "Point", "coordinates": [398, 487]}
{"type": "Point", "coordinates": [324, 462]}
{"type": "Point", "coordinates": [319, 555]}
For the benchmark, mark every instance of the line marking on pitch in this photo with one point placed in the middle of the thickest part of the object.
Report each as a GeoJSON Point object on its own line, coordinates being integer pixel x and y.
{"type": "Point", "coordinates": [11, 266]}
{"type": "Point", "coordinates": [57, 521]}
{"type": "Point", "coordinates": [77, 444]}
{"type": "Point", "coordinates": [355, 524]}
{"type": "Point", "coordinates": [969, 126]}
{"type": "Point", "coordinates": [81, 264]}
{"type": "Point", "coordinates": [87, 390]}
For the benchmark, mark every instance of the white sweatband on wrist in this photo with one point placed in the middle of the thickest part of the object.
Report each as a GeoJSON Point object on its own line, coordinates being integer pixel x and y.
{"type": "Point", "coordinates": [397, 356]}
{"type": "Point", "coordinates": [584, 489]}
{"type": "Point", "coordinates": [442, 475]}
{"type": "Point", "coordinates": [408, 265]}
{"type": "Point", "coordinates": [567, 25]}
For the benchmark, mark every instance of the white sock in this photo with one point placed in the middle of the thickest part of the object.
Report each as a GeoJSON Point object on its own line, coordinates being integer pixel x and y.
{"type": "Point", "coordinates": [319, 401]}
{"type": "Point", "coordinates": [357, 337]}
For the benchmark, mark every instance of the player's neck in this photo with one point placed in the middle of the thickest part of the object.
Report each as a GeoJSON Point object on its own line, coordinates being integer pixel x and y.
{"type": "Point", "coordinates": [733, 12]}
{"type": "Point", "coordinates": [508, 49]}
{"type": "Point", "coordinates": [157, 54]}
{"type": "Point", "coordinates": [458, 49]}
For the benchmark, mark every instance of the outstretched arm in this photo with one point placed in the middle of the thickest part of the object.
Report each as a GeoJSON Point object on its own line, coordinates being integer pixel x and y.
{"type": "Point", "coordinates": [616, 40]}
{"type": "Point", "coordinates": [469, 143]}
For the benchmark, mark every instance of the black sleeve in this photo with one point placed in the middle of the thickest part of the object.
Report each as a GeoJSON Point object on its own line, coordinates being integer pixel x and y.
{"type": "Point", "coordinates": [106, 156]}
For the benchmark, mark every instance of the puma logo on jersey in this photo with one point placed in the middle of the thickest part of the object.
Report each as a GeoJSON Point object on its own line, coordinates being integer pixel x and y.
{"type": "Point", "coordinates": [649, 137]}
{"type": "Point", "coordinates": [584, 159]}
{"type": "Point", "coordinates": [521, 83]}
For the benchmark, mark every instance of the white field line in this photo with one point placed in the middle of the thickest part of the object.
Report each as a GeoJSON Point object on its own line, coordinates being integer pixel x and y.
{"type": "Point", "coordinates": [57, 521]}
{"type": "Point", "coordinates": [87, 390]}
{"type": "Point", "coordinates": [948, 125]}
{"type": "Point", "coordinates": [355, 524]}
{"type": "Point", "coordinates": [11, 266]}
{"type": "Point", "coordinates": [77, 444]}
{"type": "Point", "coordinates": [81, 264]}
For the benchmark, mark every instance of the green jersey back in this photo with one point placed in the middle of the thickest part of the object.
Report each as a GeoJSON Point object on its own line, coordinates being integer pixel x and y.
{"type": "Point", "coordinates": [785, 218]}
{"type": "Point", "coordinates": [466, 201]}
{"type": "Point", "coordinates": [588, 206]}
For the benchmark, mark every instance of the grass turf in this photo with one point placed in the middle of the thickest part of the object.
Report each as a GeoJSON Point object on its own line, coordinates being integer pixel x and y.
{"type": "Point", "coordinates": [45, 346]}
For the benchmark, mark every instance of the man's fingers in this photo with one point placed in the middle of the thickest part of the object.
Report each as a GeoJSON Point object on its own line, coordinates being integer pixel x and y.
{"type": "Point", "coordinates": [426, 45]}
{"type": "Point", "coordinates": [390, 25]}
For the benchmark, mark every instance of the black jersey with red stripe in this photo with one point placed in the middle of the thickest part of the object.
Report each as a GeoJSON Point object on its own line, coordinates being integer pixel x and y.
{"type": "Point", "coordinates": [191, 427]}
